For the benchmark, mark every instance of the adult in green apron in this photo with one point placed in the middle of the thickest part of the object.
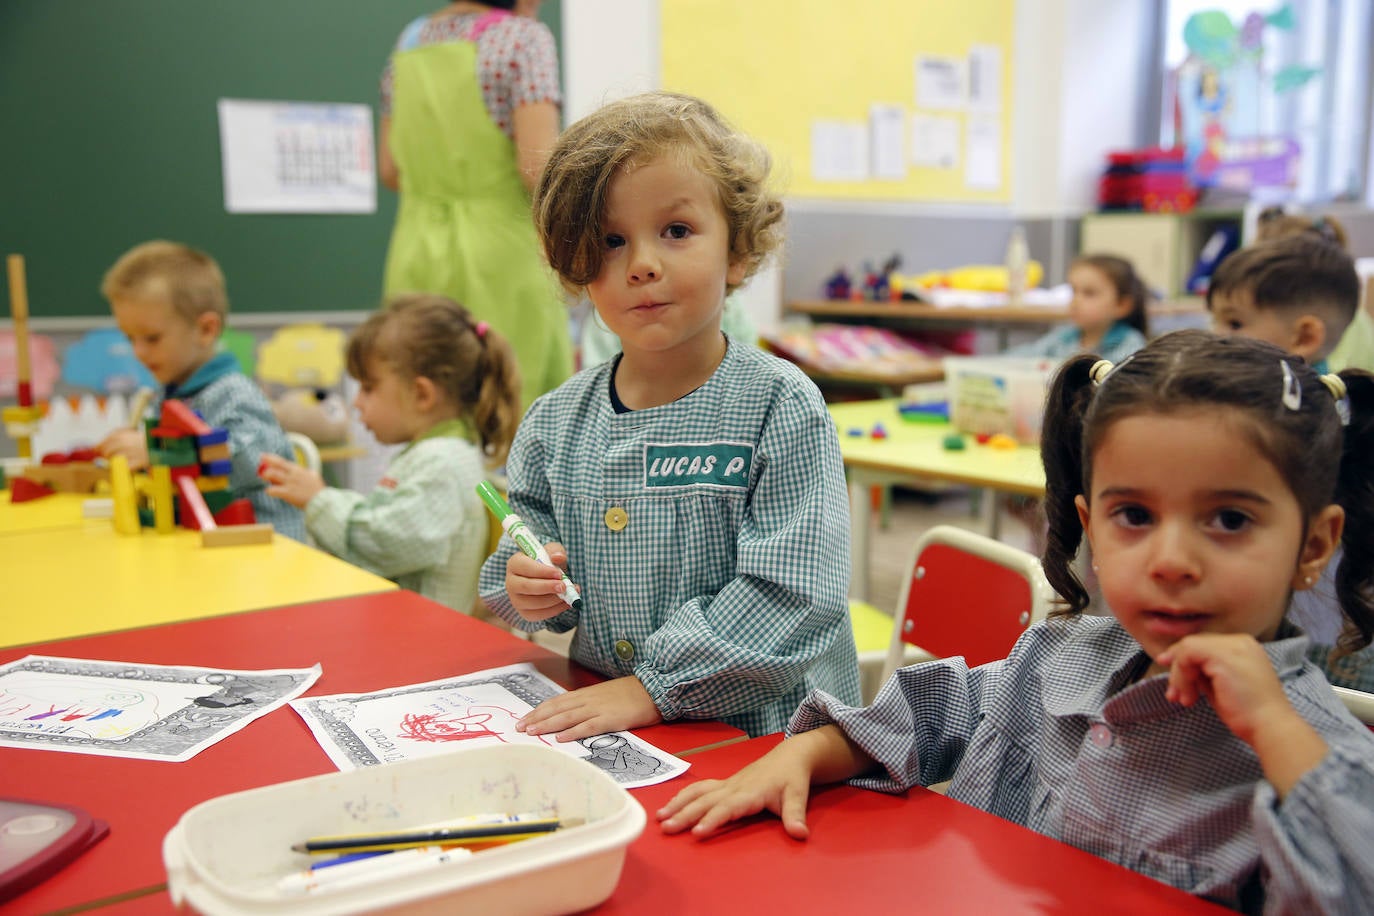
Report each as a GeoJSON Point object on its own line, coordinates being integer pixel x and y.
{"type": "Point", "coordinates": [463, 225]}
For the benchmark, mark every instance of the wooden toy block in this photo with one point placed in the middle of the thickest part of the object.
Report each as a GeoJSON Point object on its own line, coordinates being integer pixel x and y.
{"type": "Point", "coordinates": [97, 508]}
{"type": "Point", "coordinates": [210, 453]}
{"type": "Point", "coordinates": [217, 468]}
{"type": "Point", "coordinates": [23, 490]}
{"type": "Point", "coordinates": [125, 497]}
{"type": "Point", "coordinates": [179, 415]}
{"type": "Point", "coordinates": [235, 535]}
{"type": "Point", "coordinates": [238, 512]}
{"type": "Point", "coordinates": [212, 484]}
{"type": "Point", "coordinates": [194, 512]}
{"type": "Point", "coordinates": [218, 499]}
{"type": "Point", "coordinates": [215, 436]}
{"type": "Point", "coordinates": [164, 505]}
{"type": "Point", "coordinates": [71, 477]}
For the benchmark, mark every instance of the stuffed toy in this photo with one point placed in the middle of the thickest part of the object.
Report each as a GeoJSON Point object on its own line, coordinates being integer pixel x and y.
{"type": "Point", "coordinates": [317, 413]}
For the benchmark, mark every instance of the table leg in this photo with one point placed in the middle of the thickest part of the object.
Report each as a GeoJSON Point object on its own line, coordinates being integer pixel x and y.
{"type": "Point", "coordinates": [990, 512]}
{"type": "Point", "coordinates": [860, 515]}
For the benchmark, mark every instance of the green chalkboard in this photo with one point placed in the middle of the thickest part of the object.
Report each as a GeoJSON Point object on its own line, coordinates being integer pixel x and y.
{"type": "Point", "coordinates": [109, 136]}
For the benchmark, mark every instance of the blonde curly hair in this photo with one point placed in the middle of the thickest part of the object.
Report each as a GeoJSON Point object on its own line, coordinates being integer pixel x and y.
{"type": "Point", "coordinates": [570, 201]}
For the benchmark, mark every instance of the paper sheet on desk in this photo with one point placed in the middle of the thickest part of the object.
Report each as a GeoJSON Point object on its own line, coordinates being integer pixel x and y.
{"type": "Point", "coordinates": [126, 709]}
{"type": "Point", "coordinates": [400, 723]}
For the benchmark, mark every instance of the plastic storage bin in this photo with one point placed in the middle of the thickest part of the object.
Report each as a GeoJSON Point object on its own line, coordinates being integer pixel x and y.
{"type": "Point", "coordinates": [226, 855]}
{"type": "Point", "coordinates": [998, 394]}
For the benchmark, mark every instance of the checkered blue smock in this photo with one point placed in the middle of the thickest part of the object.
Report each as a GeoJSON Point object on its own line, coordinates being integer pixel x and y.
{"type": "Point", "coordinates": [226, 397]}
{"type": "Point", "coordinates": [709, 538]}
{"type": "Point", "coordinates": [1063, 737]}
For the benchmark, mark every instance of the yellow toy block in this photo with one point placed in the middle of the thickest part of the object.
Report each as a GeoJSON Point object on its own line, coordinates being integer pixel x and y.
{"type": "Point", "coordinates": [164, 515]}
{"type": "Point", "coordinates": [211, 484]}
{"type": "Point", "coordinates": [125, 497]}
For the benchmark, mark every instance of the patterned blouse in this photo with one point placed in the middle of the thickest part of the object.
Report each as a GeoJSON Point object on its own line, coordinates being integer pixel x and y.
{"type": "Point", "coordinates": [517, 60]}
{"type": "Point", "coordinates": [1065, 737]}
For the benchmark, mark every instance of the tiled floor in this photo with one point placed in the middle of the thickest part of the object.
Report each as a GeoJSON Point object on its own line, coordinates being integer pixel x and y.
{"type": "Point", "coordinates": [910, 514]}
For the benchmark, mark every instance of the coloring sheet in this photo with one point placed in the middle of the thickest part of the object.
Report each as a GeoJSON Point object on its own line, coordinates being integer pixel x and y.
{"type": "Point", "coordinates": [365, 729]}
{"type": "Point", "coordinates": [124, 709]}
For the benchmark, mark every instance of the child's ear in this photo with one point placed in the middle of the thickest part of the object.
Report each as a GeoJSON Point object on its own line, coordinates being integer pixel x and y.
{"type": "Point", "coordinates": [1309, 335]}
{"type": "Point", "coordinates": [738, 270]}
{"type": "Point", "coordinates": [209, 325]}
{"type": "Point", "coordinates": [426, 392]}
{"type": "Point", "coordinates": [1323, 535]}
{"type": "Point", "coordinates": [1081, 504]}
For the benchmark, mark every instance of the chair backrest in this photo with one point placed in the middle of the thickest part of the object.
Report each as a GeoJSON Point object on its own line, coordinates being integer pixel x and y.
{"type": "Point", "coordinates": [1358, 702]}
{"type": "Point", "coordinates": [967, 595]}
{"type": "Point", "coordinates": [306, 451]}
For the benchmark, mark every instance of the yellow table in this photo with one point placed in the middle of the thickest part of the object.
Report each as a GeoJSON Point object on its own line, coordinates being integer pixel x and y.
{"type": "Point", "coordinates": [63, 582]}
{"type": "Point", "coordinates": [915, 452]}
{"type": "Point", "coordinates": [61, 510]}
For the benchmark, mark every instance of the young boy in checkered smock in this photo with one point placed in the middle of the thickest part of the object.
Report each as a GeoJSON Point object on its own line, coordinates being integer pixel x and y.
{"type": "Point", "coordinates": [1186, 736]}
{"type": "Point", "coordinates": [692, 486]}
{"type": "Point", "coordinates": [170, 301]}
{"type": "Point", "coordinates": [432, 377]}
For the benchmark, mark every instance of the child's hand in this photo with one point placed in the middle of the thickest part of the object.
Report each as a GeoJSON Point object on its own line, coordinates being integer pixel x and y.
{"type": "Point", "coordinates": [289, 481]}
{"type": "Point", "coordinates": [611, 706]}
{"type": "Point", "coordinates": [1237, 678]}
{"type": "Point", "coordinates": [780, 782]}
{"type": "Point", "coordinates": [536, 590]}
{"type": "Point", "coordinates": [127, 442]}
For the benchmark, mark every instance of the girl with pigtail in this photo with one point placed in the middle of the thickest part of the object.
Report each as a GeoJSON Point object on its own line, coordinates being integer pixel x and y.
{"type": "Point", "coordinates": [1186, 736]}
{"type": "Point", "coordinates": [435, 378]}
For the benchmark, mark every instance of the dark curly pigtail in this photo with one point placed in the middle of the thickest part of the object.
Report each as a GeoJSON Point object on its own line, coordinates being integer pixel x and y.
{"type": "Point", "coordinates": [1061, 450]}
{"type": "Point", "coordinates": [1355, 493]}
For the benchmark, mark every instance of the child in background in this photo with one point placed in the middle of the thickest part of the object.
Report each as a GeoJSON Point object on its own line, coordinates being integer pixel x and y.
{"type": "Point", "coordinates": [692, 486]}
{"type": "Point", "coordinates": [1298, 292]}
{"type": "Point", "coordinates": [170, 301]}
{"type": "Point", "coordinates": [1185, 738]}
{"type": "Point", "coordinates": [441, 382]}
{"type": "Point", "coordinates": [1356, 347]}
{"type": "Point", "coordinates": [1107, 313]}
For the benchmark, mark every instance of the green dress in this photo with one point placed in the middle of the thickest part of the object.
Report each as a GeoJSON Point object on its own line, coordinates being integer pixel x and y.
{"type": "Point", "coordinates": [463, 225]}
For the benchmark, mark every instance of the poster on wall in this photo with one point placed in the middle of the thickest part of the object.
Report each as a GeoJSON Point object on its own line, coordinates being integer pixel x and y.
{"type": "Point", "coordinates": [297, 157]}
{"type": "Point", "coordinates": [1224, 96]}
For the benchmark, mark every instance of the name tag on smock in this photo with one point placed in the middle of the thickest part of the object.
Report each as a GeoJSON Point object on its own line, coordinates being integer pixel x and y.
{"type": "Point", "coordinates": [693, 464]}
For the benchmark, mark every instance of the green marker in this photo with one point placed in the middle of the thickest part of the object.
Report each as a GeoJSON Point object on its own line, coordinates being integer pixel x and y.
{"type": "Point", "coordinates": [524, 539]}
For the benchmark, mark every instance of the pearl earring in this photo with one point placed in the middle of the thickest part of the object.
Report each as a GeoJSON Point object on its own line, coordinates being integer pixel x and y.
{"type": "Point", "coordinates": [1306, 580]}
{"type": "Point", "coordinates": [1096, 567]}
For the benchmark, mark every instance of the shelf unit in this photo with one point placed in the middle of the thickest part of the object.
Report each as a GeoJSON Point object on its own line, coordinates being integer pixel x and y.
{"type": "Point", "coordinates": [1162, 246]}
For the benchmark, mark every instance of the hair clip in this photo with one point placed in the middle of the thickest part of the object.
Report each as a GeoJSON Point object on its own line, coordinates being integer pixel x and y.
{"type": "Point", "coordinates": [1100, 370]}
{"type": "Point", "coordinates": [1292, 391]}
{"type": "Point", "coordinates": [1336, 385]}
{"type": "Point", "coordinates": [480, 329]}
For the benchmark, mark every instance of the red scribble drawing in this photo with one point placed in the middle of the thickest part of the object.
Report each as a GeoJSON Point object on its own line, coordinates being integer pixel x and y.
{"type": "Point", "coordinates": [478, 722]}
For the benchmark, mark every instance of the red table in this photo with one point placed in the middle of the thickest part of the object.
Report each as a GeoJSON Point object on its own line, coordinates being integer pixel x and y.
{"type": "Point", "coordinates": [364, 643]}
{"type": "Point", "coordinates": [872, 853]}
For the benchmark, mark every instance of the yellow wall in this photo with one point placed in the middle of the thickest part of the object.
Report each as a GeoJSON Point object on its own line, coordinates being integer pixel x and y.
{"type": "Point", "coordinates": [775, 67]}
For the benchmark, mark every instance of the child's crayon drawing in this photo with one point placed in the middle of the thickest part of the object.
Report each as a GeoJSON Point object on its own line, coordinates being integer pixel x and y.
{"type": "Point", "coordinates": [366, 729]}
{"type": "Point", "coordinates": [119, 709]}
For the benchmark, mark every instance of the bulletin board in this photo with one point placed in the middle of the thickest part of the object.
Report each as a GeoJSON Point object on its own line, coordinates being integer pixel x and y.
{"type": "Point", "coordinates": [868, 100]}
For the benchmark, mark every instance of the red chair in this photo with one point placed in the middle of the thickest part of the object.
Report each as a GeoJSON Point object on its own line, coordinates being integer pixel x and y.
{"type": "Point", "coordinates": [967, 595]}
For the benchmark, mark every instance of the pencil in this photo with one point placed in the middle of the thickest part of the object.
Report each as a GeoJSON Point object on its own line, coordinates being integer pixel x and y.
{"type": "Point", "coordinates": [445, 836]}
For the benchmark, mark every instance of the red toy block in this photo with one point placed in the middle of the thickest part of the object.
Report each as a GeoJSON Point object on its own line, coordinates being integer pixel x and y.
{"type": "Point", "coordinates": [54, 458]}
{"type": "Point", "coordinates": [22, 490]}
{"type": "Point", "coordinates": [83, 454]}
{"type": "Point", "coordinates": [238, 512]}
{"type": "Point", "coordinates": [194, 513]}
{"type": "Point", "coordinates": [179, 416]}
